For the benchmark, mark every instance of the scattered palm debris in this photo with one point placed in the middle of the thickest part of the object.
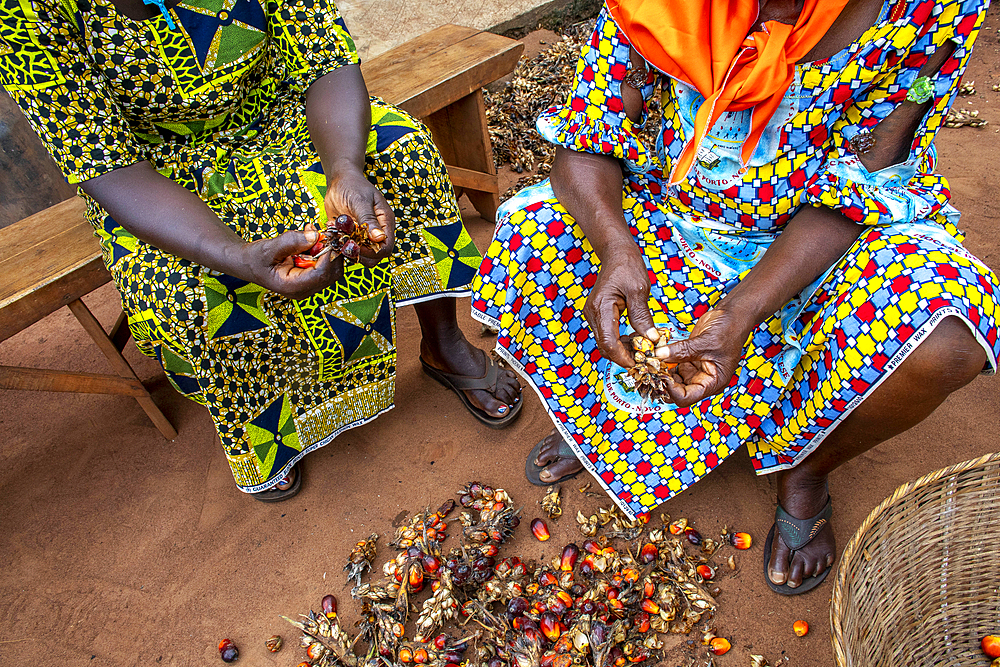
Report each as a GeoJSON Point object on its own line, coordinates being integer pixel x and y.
{"type": "Point", "coordinates": [360, 559]}
{"type": "Point", "coordinates": [537, 84]}
{"type": "Point", "coordinates": [611, 603]}
{"type": "Point", "coordinates": [551, 503]}
{"type": "Point", "coordinates": [963, 118]}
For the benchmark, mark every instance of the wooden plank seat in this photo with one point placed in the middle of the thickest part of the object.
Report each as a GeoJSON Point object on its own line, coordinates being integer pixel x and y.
{"type": "Point", "coordinates": [52, 259]}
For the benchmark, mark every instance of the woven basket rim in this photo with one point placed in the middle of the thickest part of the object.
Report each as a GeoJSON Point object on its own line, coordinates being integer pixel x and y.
{"type": "Point", "coordinates": [837, 599]}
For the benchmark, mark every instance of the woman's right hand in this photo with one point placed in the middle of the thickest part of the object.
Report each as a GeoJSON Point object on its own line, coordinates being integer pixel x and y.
{"type": "Point", "coordinates": [271, 265]}
{"type": "Point", "coordinates": [623, 283]}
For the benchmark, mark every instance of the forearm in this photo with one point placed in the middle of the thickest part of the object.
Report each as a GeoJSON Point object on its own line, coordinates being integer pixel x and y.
{"type": "Point", "coordinates": [166, 215]}
{"type": "Point", "coordinates": [339, 117]}
{"type": "Point", "coordinates": [590, 189]}
{"type": "Point", "coordinates": [812, 241]}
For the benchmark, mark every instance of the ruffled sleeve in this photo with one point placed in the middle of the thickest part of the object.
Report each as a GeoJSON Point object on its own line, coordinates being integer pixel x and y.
{"type": "Point", "coordinates": [311, 37]}
{"type": "Point", "coordinates": [910, 190]}
{"type": "Point", "coordinates": [593, 119]}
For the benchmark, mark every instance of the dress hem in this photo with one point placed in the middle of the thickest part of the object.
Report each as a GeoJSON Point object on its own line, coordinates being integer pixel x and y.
{"type": "Point", "coordinates": [448, 294]}
{"type": "Point", "coordinates": [901, 355]}
{"type": "Point", "coordinates": [275, 479]}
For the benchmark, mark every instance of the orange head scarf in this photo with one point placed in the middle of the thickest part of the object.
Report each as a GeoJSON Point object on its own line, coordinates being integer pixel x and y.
{"type": "Point", "coordinates": [708, 45]}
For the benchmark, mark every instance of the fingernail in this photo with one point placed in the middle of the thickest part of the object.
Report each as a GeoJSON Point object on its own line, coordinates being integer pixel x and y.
{"type": "Point", "coordinates": [502, 409]}
{"type": "Point", "coordinates": [377, 235]}
{"type": "Point", "coordinates": [312, 235]}
{"type": "Point", "coordinates": [652, 334]}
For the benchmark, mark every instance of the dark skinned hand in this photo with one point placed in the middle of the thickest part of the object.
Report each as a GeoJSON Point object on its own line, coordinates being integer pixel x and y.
{"type": "Point", "coordinates": [708, 359]}
{"type": "Point", "coordinates": [349, 192]}
{"type": "Point", "coordinates": [622, 284]}
{"type": "Point", "coordinates": [270, 262]}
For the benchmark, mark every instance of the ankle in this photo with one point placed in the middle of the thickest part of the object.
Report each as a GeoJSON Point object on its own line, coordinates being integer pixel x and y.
{"type": "Point", "coordinates": [438, 336]}
{"type": "Point", "coordinates": [799, 487]}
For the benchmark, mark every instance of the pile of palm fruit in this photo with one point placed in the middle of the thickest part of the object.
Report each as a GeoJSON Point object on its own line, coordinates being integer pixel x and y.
{"type": "Point", "coordinates": [609, 602]}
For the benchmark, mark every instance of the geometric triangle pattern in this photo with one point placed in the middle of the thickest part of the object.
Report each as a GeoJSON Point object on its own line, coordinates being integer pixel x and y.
{"type": "Point", "coordinates": [233, 306]}
{"type": "Point", "coordinates": [236, 178]}
{"type": "Point", "coordinates": [272, 436]}
{"type": "Point", "coordinates": [181, 374]}
{"type": "Point", "coordinates": [388, 127]}
{"type": "Point", "coordinates": [314, 181]}
{"type": "Point", "coordinates": [363, 327]}
{"type": "Point", "coordinates": [455, 255]}
{"type": "Point", "coordinates": [337, 319]}
{"type": "Point", "coordinates": [116, 243]}
{"type": "Point", "coordinates": [212, 36]}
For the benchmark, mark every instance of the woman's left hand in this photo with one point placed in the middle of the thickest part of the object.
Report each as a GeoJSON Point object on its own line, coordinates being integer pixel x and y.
{"type": "Point", "coordinates": [350, 193]}
{"type": "Point", "coordinates": [708, 359]}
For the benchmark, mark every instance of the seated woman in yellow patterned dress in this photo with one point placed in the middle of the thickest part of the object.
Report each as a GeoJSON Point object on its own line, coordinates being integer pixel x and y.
{"type": "Point", "coordinates": [208, 138]}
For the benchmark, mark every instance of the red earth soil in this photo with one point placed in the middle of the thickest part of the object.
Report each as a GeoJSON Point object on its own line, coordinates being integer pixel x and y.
{"type": "Point", "coordinates": [120, 548]}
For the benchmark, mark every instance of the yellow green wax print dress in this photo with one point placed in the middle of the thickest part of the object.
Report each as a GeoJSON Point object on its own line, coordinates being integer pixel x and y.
{"type": "Point", "coordinates": [217, 104]}
{"type": "Point", "coordinates": [807, 367]}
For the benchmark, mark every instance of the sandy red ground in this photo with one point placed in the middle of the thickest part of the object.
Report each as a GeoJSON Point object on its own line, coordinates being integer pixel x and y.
{"type": "Point", "coordinates": [120, 548]}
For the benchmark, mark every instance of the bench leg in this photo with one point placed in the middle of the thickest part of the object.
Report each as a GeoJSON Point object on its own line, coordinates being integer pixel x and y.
{"type": "Point", "coordinates": [463, 138]}
{"type": "Point", "coordinates": [119, 364]}
{"type": "Point", "coordinates": [43, 379]}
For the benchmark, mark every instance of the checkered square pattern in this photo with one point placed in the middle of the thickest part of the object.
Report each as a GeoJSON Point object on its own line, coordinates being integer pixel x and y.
{"type": "Point", "coordinates": [899, 280]}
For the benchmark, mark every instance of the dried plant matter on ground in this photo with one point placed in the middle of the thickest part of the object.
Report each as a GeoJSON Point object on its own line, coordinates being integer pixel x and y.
{"type": "Point", "coordinates": [537, 84]}
{"type": "Point", "coordinates": [613, 601]}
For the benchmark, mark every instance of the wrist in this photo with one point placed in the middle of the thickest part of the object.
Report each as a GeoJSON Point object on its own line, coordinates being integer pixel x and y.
{"type": "Point", "coordinates": [617, 246]}
{"type": "Point", "coordinates": [239, 262]}
{"type": "Point", "coordinates": [746, 310]}
{"type": "Point", "coordinates": [341, 167]}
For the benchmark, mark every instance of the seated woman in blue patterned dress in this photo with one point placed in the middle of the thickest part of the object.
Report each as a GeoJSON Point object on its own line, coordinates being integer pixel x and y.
{"type": "Point", "coordinates": [790, 229]}
{"type": "Point", "coordinates": [209, 139]}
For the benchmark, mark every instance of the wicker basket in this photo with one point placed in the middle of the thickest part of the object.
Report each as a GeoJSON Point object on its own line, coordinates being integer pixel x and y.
{"type": "Point", "coordinates": [918, 583]}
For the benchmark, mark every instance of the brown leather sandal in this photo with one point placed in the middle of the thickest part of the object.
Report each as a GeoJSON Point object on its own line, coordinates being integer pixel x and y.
{"type": "Point", "coordinates": [462, 383]}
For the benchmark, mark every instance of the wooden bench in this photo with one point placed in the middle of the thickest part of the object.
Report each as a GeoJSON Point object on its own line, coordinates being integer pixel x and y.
{"type": "Point", "coordinates": [52, 259]}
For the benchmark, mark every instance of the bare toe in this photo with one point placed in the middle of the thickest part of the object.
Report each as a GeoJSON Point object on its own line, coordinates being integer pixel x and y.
{"type": "Point", "coordinates": [508, 388]}
{"type": "Point", "coordinates": [777, 569]}
{"type": "Point", "coordinates": [795, 572]}
{"type": "Point", "coordinates": [562, 467]}
{"type": "Point", "coordinates": [287, 481]}
{"type": "Point", "coordinates": [549, 451]}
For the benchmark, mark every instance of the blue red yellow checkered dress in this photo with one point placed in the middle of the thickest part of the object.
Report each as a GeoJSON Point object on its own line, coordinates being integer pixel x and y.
{"type": "Point", "coordinates": [807, 367]}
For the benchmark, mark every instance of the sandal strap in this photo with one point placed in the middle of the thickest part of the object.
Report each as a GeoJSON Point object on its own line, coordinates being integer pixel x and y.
{"type": "Point", "coordinates": [565, 451]}
{"type": "Point", "coordinates": [487, 382]}
{"type": "Point", "coordinates": [796, 533]}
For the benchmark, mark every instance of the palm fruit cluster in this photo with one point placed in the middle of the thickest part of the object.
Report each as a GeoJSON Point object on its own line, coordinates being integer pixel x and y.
{"type": "Point", "coordinates": [650, 374]}
{"type": "Point", "coordinates": [605, 603]}
{"type": "Point", "coordinates": [342, 235]}
{"type": "Point", "coordinates": [360, 559]}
